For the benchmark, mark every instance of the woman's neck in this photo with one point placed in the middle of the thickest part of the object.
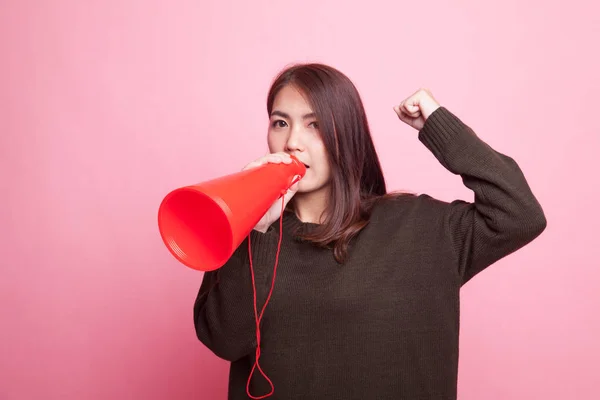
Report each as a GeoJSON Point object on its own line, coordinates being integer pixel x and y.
{"type": "Point", "coordinates": [310, 207]}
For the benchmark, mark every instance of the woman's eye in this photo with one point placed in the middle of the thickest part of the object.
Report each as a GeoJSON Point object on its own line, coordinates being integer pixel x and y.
{"type": "Point", "coordinates": [278, 124]}
{"type": "Point", "coordinates": [314, 124]}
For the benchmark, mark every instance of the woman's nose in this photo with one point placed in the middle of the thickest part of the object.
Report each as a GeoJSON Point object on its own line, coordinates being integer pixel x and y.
{"type": "Point", "coordinates": [294, 141]}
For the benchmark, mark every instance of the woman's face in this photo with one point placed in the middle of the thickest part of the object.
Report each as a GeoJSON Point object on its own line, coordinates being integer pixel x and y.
{"type": "Point", "coordinates": [293, 129]}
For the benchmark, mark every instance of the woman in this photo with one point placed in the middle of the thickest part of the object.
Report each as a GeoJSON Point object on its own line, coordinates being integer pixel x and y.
{"type": "Point", "coordinates": [366, 300]}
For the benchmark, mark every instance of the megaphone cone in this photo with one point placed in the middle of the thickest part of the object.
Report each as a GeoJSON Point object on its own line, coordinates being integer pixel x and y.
{"type": "Point", "coordinates": [203, 224]}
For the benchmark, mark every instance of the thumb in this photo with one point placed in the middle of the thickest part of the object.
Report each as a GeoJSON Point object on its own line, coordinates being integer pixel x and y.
{"type": "Point", "coordinates": [401, 116]}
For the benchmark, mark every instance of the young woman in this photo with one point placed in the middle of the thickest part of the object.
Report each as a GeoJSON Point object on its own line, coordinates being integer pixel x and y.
{"type": "Point", "coordinates": [365, 304]}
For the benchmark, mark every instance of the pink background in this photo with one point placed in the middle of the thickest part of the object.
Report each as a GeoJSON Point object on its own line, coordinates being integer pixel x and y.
{"type": "Point", "coordinates": [105, 106]}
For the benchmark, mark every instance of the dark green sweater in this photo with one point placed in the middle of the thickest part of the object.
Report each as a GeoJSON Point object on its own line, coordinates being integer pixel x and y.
{"type": "Point", "coordinates": [385, 325]}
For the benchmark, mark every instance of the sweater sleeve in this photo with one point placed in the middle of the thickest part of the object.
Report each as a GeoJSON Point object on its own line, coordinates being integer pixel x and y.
{"type": "Point", "coordinates": [224, 311]}
{"type": "Point", "coordinates": [505, 214]}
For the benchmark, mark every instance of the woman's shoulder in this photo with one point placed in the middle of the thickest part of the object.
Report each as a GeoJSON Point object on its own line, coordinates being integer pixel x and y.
{"type": "Point", "coordinates": [401, 205]}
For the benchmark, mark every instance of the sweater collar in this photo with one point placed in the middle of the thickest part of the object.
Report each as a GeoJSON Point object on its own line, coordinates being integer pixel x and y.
{"type": "Point", "coordinates": [292, 224]}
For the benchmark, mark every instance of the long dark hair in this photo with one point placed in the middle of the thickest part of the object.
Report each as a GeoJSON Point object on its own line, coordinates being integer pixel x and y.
{"type": "Point", "coordinates": [357, 181]}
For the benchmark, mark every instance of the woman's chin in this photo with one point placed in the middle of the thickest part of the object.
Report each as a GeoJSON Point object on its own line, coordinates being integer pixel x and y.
{"type": "Point", "coordinates": [308, 187]}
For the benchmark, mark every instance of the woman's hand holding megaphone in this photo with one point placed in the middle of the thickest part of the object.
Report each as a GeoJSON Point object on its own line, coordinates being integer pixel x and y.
{"type": "Point", "coordinates": [274, 211]}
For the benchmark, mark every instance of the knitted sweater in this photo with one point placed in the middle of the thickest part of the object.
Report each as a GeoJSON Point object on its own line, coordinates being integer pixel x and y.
{"type": "Point", "coordinates": [384, 325]}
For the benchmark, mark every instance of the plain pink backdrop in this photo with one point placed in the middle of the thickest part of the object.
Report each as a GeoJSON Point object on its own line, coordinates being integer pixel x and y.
{"type": "Point", "coordinates": [105, 106]}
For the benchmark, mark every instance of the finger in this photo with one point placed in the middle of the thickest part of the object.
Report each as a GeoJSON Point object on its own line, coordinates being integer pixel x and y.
{"type": "Point", "coordinates": [282, 157]}
{"type": "Point", "coordinates": [250, 166]}
{"type": "Point", "coordinates": [274, 158]}
{"type": "Point", "coordinates": [408, 117]}
{"type": "Point", "coordinates": [407, 109]}
{"type": "Point", "coordinates": [295, 184]}
{"type": "Point", "coordinates": [402, 116]}
{"type": "Point", "coordinates": [402, 113]}
{"type": "Point", "coordinates": [290, 193]}
{"type": "Point", "coordinates": [286, 158]}
{"type": "Point", "coordinates": [270, 158]}
{"type": "Point", "coordinates": [414, 115]}
{"type": "Point", "coordinates": [257, 163]}
{"type": "Point", "coordinates": [411, 108]}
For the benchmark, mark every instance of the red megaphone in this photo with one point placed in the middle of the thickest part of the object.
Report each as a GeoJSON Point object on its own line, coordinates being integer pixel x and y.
{"type": "Point", "coordinates": [203, 224]}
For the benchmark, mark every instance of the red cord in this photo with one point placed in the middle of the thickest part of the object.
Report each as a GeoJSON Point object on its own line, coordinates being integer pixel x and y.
{"type": "Point", "coordinates": [256, 316]}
